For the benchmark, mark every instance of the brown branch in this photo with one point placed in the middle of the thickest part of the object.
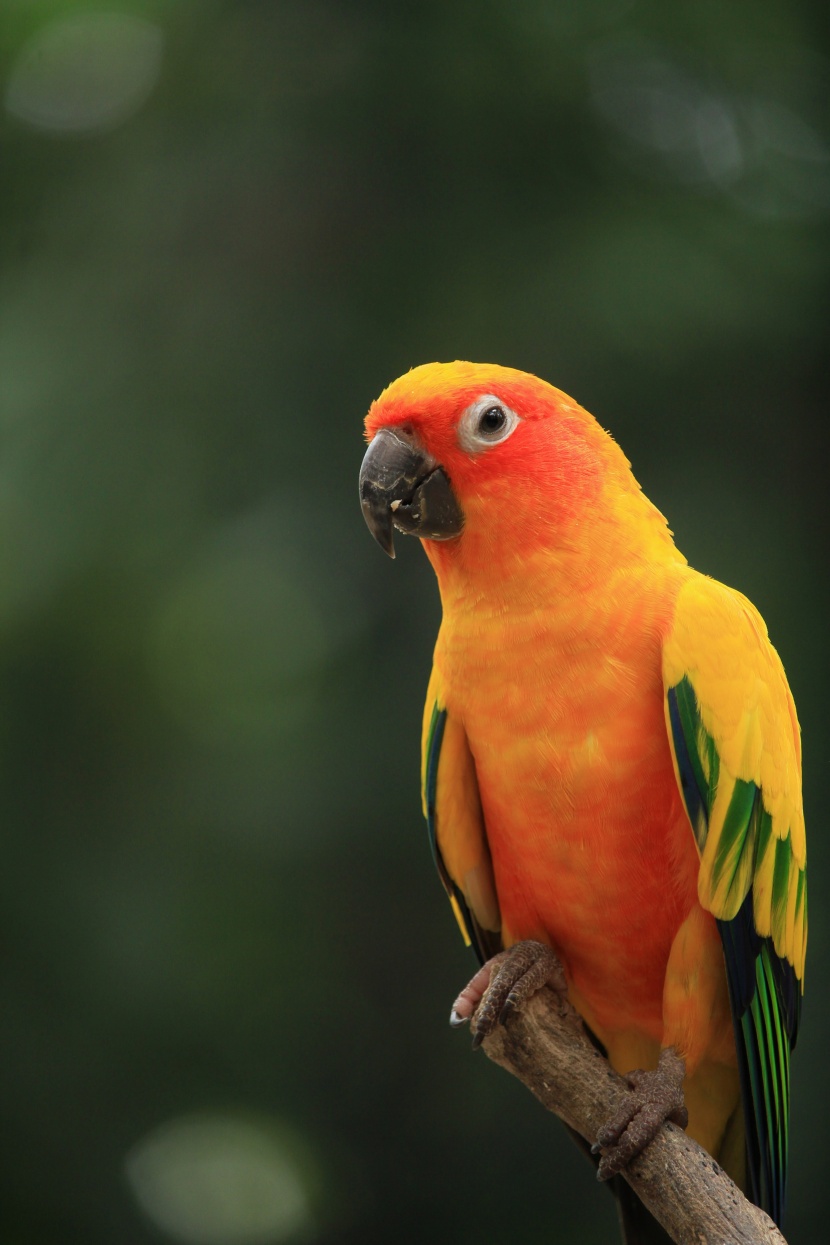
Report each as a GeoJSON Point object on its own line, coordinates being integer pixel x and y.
{"type": "Point", "coordinates": [546, 1047]}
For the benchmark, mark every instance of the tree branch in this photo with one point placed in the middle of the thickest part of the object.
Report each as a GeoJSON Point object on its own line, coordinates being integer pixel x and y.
{"type": "Point", "coordinates": [546, 1047]}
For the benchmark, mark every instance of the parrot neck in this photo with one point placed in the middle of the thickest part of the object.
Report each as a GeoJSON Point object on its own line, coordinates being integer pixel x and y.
{"type": "Point", "coordinates": [534, 560]}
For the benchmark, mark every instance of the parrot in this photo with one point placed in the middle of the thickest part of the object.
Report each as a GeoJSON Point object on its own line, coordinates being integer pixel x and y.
{"type": "Point", "coordinates": [611, 761]}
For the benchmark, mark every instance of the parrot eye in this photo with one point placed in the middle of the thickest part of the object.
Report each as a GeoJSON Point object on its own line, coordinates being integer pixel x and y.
{"type": "Point", "coordinates": [486, 422]}
{"type": "Point", "coordinates": [491, 421]}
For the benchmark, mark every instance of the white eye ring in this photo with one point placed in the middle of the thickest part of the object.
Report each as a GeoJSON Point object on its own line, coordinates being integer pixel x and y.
{"type": "Point", "coordinates": [487, 421]}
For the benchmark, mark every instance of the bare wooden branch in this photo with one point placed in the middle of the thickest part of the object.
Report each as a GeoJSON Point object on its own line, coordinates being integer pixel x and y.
{"type": "Point", "coordinates": [546, 1047]}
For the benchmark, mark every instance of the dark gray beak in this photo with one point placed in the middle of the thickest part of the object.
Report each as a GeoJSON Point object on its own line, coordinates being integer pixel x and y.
{"type": "Point", "coordinates": [402, 486]}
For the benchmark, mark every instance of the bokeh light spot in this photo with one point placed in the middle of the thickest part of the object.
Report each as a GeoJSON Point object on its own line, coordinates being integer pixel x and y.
{"type": "Point", "coordinates": [85, 73]}
{"type": "Point", "coordinates": [213, 1179]}
{"type": "Point", "coordinates": [701, 132]}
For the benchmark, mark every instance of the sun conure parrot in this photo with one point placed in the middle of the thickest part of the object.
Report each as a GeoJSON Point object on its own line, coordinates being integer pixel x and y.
{"type": "Point", "coordinates": [611, 755]}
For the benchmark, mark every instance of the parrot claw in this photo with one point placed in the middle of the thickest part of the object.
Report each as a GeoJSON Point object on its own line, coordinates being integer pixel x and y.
{"type": "Point", "coordinates": [504, 984]}
{"type": "Point", "coordinates": [656, 1097]}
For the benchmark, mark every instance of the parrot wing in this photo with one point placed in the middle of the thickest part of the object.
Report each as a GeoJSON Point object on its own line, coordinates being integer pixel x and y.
{"type": "Point", "coordinates": [735, 740]}
{"type": "Point", "coordinates": [455, 823]}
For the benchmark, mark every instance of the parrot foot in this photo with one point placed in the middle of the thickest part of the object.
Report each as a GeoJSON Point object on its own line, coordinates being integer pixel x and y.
{"type": "Point", "coordinates": [503, 984]}
{"type": "Point", "coordinates": [657, 1097]}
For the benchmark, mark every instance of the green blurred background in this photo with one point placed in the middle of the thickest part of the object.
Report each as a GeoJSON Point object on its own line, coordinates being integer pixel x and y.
{"type": "Point", "coordinates": [225, 226]}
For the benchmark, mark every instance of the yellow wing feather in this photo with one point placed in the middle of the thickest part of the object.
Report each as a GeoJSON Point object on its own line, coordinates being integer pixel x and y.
{"type": "Point", "coordinates": [719, 643]}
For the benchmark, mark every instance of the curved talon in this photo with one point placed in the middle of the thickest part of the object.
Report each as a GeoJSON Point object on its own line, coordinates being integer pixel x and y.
{"type": "Point", "coordinates": [479, 1034]}
{"type": "Point", "coordinates": [507, 1006]}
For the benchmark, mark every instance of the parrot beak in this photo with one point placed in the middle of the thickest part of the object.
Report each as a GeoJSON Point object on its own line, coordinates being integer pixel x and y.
{"type": "Point", "coordinates": [402, 486]}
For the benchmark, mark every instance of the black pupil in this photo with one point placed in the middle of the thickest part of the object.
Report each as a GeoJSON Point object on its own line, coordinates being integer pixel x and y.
{"type": "Point", "coordinates": [492, 420]}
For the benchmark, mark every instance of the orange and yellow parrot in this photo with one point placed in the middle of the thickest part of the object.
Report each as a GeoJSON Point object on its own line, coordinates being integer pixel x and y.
{"type": "Point", "coordinates": [611, 755]}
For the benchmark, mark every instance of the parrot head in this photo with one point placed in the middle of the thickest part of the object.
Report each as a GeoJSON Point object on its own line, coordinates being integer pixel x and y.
{"type": "Point", "coordinates": [478, 454]}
